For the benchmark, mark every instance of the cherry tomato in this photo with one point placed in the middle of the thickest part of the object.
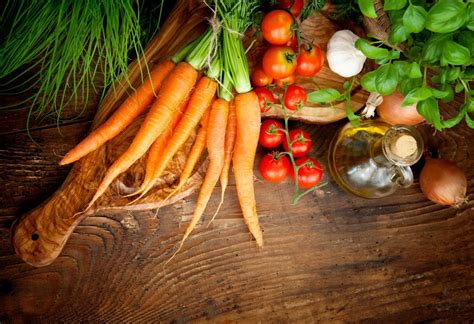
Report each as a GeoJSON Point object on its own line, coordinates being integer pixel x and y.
{"type": "Point", "coordinates": [265, 98]}
{"type": "Point", "coordinates": [310, 61]}
{"type": "Point", "coordinates": [277, 27]}
{"type": "Point", "coordinates": [295, 97]}
{"type": "Point", "coordinates": [293, 43]}
{"type": "Point", "coordinates": [275, 167]}
{"type": "Point", "coordinates": [260, 79]}
{"type": "Point", "coordinates": [279, 62]}
{"type": "Point", "coordinates": [295, 6]}
{"type": "Point", "coordinates": [309, 174]}
{"type": "Point", "coordinates": [288, 80]}
{"type": "Point", "coordinates": [301, 143]}
{"type": "Point", "coordinates": [271, 134]}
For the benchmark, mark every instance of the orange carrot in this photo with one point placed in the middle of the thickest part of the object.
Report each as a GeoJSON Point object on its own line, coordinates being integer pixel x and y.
{"type": "Point", "coordinates": [194, 156]}
{"type": "Point", "coordinates": [215, 146]}
{"type": "Point", "coordinates": [176, 88]}
{"type": "Point", "coordinates": [158, 147]}
{"type": "Point", "coordinates": [247, 114]}
{"type": "Point", "coordinates": [228, 150]}
{"type": "Point", "coordinates": [198, 103]}
{"type": "Point", "coordinates": [123, 116]}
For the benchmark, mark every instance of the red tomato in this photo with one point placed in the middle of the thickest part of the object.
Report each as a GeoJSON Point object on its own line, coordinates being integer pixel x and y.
{"type": "Point", "coordinates": [271, 134]}
{"type": "Point", "coordinates": [275, 167]}
{"type": "Point", "coordinates": [310, 61]}
{"type": "Point", "coordinates": [309, 174]}
{"type": "Point", "coordinates": [288, 80]}
{"type": "Point", "coordinates": [265, 98]}
{"type": "Point", "coordinates": [295, 6]}
{"type": "Point", "coordinates": [277, 27]}
{"type": "Point", "coordinates": [279, 62]}
{"type": "Point", "coordinates": [260, 79]}
{"type": "Point", "coordinates": [293, 43]}
{"type": "Point", "coordinates": [301, 143]}
{"type": "Point", "coordinates": [295, 97]}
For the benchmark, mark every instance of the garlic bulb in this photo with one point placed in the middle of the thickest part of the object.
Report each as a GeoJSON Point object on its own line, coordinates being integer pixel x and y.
{"type": "Point", "coordinates": [342, 55]}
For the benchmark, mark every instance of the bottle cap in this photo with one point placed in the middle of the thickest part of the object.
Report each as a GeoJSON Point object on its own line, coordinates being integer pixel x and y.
{"type": "Point", "coordinates": [403, 145]}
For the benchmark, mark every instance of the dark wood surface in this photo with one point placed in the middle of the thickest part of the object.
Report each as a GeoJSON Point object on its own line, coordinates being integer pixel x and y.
{"type": "Point", "coordinates": [332, 257]}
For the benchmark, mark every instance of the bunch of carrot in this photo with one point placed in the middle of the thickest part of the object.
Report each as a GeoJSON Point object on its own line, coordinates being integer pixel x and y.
{"type": "Point", "coordinates": [185, 99]}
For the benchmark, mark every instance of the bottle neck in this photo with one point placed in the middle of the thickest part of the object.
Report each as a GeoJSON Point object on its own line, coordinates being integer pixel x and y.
{"type": "Point", "coordinates": [402, 145]}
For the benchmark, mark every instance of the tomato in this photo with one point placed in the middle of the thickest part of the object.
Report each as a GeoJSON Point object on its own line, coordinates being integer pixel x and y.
{"type": "Point", "coordinates": [288, 80]}
{"type": "Point", "coordinates": [260, 79]}
{"type": "Point", "coordinates": [295, 6]}
{"type": "Point", "coordinates": [265, 98]}
{"type": "Point", "coordinates": [279, 62]}
{"type": "Point", "coordinates": [295, 97]}
{"type": "Point", "coordinates": [293, 43]}
{"type": "Point", "coordinates": [309, 174]}
{"type": "Point", "coordinates": [301, 143]}
{"type": "Point", "coordinates": [310, 61]}
{"type": "Point", "coordinates": [271, 134]}
{"type": "Point", "coordinates": [277, 27]}
{"type": "Point", "coordinates": [275, 167]}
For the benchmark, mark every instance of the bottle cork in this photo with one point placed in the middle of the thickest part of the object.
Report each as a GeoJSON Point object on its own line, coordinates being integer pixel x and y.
{"type": "Point", "coordinates": [404, 146]}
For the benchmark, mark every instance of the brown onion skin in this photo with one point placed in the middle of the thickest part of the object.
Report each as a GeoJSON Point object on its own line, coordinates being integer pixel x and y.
{"type": "Point", "coordinates": [443, 182]}
{"type": "Point", "coordinates": [392, 112]}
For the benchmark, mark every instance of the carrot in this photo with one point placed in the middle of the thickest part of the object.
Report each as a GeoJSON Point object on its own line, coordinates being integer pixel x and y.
{"type": "Point", "coordinates": [158, 147]}
{"type": "Point", "coordinates": [123, 116]}
{"type": "Point", "coordinates": [194, 156]}
{"type": "Point", "coordinates": [248, 127]}
{"type": "Point", "coordinates": [198, 103]}
{"type": "Point", "coordinates": [176, 88]}
{"type": "Point", "coordinates": [215, 146]}
{"type": "Point", "coordinates": [228, 150]}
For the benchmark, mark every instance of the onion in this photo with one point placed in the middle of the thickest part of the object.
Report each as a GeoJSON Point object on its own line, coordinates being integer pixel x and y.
{"type": "Point", "coordinates": [443, 182]}
{"type": "Point", "coordinates": [392, 112]}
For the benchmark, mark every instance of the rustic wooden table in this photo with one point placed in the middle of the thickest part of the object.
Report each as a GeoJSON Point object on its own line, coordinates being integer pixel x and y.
{"type": "Point", "coordinates": [332, 257]}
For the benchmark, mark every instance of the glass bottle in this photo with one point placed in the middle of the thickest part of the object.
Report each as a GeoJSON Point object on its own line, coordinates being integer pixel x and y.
{"type": "Point", "coordinates": [373, 159]}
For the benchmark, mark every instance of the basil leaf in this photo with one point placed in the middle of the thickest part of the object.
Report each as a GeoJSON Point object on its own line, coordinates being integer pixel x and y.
{"type": "Point", "coordinates": [367, 8]}
{"type": "Point", "coordinates": [413, 70]}
{"type": "Point", "coordinates": [324, 95]}
{"type": "Point", "coordinates": [398, 34]}
{"type": "Point", "coordinates": [454, 53]}
{"type": "Point", "coordinates": [470, 20]}
{"type": "Point", "coordinates": [453, 73]}
{"type": "Point", "coordinates": [439, 93]}
{"type": "Point", "coordinates": [408, 84]}
{"type": "Point", "coordinates": [429, 109]}
{"type": "Point", "coordinates": [396, 16]}
{"type": "Point", "coordinates": [372, 52]}
{"type": "Point", "coordinates": [466, 39]}
{"type": "Point", "coordinates": [433, 49]}
{"type": "Point", "coordinates": [394, 4]}
{"type": "Point", "coordinates": [401, 67]}
{"type": "Point", "coordinates": [456, 119]}
{"type": "Point", "coordinates": [450, 96]}
{"type": "Point", "coordinates": [386, 80]}
{"type": "Point", "coordinates": [468, 73]}
{"type": "Point", "coordinates": [446, 16]}
{"type": "Point", "coordinates": [368, 81]}
{"type": "Point", "coordinates": [415, 95]}
{"type": "Point", "coordinates": [469, 121]}
{"type": "Point", "coordinates": [394, 55]}
{"type": "Point", "coordinates": [459, 87]}
{"type": "Point", "coordinates": [414, 19]}
{"type": "Point", "coordinates": [354, 119]}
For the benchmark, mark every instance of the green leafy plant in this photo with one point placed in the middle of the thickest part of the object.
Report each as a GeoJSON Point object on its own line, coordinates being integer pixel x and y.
{"type": "Point", "coordinates": [438, 37]}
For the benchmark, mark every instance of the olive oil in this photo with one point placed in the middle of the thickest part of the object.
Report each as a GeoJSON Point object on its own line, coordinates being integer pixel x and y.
{"type": "Point", "coordinates": [373, 159]}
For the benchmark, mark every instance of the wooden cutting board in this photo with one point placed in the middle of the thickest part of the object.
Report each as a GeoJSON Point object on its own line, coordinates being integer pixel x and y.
{"type": "Point", "coordinates": [40, 235]}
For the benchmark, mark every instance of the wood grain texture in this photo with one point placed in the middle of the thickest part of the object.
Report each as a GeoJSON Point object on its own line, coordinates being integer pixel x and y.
{"type": "Point", "coordinates": [40, 235]}
{"type": "Point", "coordinates": [332, 257]}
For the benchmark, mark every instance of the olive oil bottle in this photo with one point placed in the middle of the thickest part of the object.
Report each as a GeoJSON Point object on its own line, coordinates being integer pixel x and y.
{"type": "Point", "coordinates": [373, 159]}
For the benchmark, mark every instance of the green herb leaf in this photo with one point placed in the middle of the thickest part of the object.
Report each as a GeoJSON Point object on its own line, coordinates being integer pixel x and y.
{"type": "Point", "coordinates": [354, 119]}
{"type": "Point", "coordinates": [416, 95]}
{"type": "Point", "coordinates": [466, 39]}
{"type": "Point", "coordinates": [414, 18]}
{"type": "Point", "coordinates": [368, 81]}
{"type": "Point", "coordinates": [433, 49]}
{"type": "Point", "coordinates": [470, 20]}
{"type": "Point", "coordinates": [429, 109]}
{"type": "Point", "coordinates": [448, 88]}
{"type": "Point", "coordinates": [459, 87]}
{"type": "Point", "coordinates": [453, 73]}
{"type": "Point", "coordinates": [324, 95]}
{"type": "Point", "coordinates": [456, 119]}
{"type": "Point", "coordinates": [346, 85]}
{"type": "Point", "coordinates": [446, 16]}
{"type": "Point", "coordinates": [372, 52]}
{"type": "Point", "coordinates": [407, 84]}
{"type": "Point", "coordinates": [454, 53]}
{"type": "Point", "coordinates": [440, 93]}
{"type": "Point", "coordinates": [414, 71]}
{"type": "Point", "coordinates": [386, 80]}
{"type": "Point", "coordinates": [401, 67]}
{"type": "Point", "coordinates": [469, 121]}
{"type": "Point", "coordinates": [398, 34]}
{"type": "Point", "coordinates": [367, 8]}
{"type": "Point", "coordinates": [394, 4]}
